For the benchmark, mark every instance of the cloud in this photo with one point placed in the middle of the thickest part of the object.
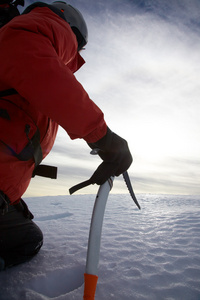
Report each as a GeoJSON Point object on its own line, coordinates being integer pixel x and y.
{"type": "Point", "coordinates": [142, 70]}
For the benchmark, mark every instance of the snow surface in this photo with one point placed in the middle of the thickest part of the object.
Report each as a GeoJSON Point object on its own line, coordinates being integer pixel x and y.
{"type": "Point", "coordinates": [149, 254]}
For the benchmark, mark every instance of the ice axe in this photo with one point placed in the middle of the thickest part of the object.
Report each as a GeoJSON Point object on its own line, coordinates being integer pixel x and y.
{"type": "Point", "coordinates": [94, 241]}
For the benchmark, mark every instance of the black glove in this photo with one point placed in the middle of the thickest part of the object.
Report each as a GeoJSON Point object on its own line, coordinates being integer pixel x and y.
{"type": "Point", "coordinates": [115, 154]}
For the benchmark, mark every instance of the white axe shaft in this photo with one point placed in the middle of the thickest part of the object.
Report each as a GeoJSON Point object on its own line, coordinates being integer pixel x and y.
{"type": "Point", "coordinates": [94, 241]}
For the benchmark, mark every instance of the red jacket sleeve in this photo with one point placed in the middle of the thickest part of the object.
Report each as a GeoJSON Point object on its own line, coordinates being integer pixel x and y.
{"type": "Point", "coordinates": [37, 55]}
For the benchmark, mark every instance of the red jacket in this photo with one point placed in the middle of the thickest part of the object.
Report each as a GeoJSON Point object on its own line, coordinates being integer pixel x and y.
{"type": "Point", "coordinates": [38, 56]}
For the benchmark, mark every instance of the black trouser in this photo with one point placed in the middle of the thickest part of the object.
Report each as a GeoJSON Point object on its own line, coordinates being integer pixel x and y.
{"type": "Point", "coordinates": [20, 237]}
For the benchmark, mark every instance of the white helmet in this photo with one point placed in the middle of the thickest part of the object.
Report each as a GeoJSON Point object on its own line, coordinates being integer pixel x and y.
{"type": "Point", "coordinates": [75, 20]}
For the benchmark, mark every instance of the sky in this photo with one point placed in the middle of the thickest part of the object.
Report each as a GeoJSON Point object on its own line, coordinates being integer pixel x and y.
{"type": "Point", "coordinates": [142, 69]}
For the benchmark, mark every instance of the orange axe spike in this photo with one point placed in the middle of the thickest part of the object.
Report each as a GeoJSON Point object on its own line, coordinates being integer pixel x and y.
{"type": "Point", "coordinates": [90, 286]}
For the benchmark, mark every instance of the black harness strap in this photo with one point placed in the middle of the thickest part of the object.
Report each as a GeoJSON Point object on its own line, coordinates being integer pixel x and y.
{"type": "Point", "coordinates": [8, 92]}
{"type": "Point", "coordinates": [45, 171]}
{"type": "Point", "coordinates": [33, 148]}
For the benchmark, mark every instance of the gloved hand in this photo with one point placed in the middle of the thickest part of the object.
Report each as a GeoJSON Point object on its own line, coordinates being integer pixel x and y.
{"type": "Point", "coordinates": [115, 154]}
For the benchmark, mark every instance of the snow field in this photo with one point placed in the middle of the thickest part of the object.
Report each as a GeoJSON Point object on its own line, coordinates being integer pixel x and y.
{"type": "Point", "coordinates": [150, 254]}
